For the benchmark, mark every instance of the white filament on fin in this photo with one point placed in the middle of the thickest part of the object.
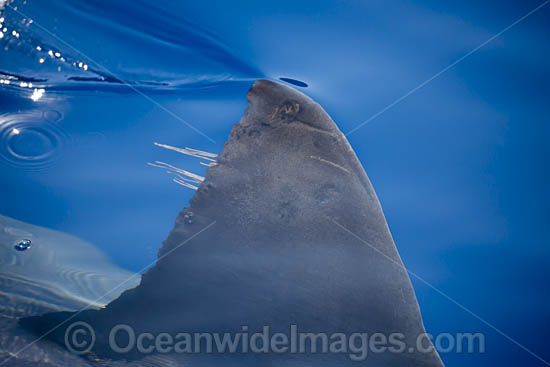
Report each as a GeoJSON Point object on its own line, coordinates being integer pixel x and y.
{"type": "Point", "coordinates": [191, 152]}
{"type": "Point", "coordinates": [191, 177]}
{"type": "Point", "coordinates": [183, 183]}
{"type": "Point", "coordinates": [183, 177]}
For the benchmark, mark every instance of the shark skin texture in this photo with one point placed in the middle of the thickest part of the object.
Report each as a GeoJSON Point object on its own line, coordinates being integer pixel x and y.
{"type": "Point", "coordinates": [286, 229]}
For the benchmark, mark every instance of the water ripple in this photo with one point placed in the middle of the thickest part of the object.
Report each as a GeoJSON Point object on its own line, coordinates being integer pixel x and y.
{"type": "Point", "coordinates": [31, 140]}
{"type": "Point", "coordinates": [156, 49]}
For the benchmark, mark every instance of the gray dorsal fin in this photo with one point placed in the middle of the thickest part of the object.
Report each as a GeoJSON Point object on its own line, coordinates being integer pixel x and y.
{"type": "Point", "coordinates": [285, 229]}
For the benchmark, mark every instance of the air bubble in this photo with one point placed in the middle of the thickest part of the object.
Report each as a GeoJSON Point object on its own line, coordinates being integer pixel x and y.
{"type": "Point", "coordinates": [22, 245]}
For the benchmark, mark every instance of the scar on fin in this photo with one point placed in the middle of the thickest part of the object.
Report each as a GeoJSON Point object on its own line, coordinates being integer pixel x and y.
{"type": "Point", "coordinates": [285, 112]}
{"type": "Point", "coordinates": [329, 162]}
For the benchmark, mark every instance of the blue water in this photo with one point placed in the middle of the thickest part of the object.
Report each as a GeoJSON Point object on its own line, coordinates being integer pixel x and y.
{"type": "Point", "coordinates": [459, 165]}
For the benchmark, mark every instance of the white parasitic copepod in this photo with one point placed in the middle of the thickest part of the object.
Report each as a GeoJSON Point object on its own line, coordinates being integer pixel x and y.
{"type": "Point", "coordinates": [183, 177]}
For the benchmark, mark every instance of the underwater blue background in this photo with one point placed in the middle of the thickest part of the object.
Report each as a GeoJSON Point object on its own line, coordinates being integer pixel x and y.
{"type": "Point", "coordinates": [460, 165]}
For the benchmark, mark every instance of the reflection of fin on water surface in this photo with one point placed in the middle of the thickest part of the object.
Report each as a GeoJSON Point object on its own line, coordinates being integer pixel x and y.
{"type": "Point", "coordinates": [294, 235]}
{"type": "Point", "coordinates": [57, 272]}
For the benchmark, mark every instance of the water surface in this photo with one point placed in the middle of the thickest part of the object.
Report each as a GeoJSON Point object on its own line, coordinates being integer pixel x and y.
{"type": "Point", "coordinates": [459, 165]}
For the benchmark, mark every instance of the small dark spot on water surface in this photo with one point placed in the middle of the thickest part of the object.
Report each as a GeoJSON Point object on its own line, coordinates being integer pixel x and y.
{"type": "Point", "coordinates": [294, 82]}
